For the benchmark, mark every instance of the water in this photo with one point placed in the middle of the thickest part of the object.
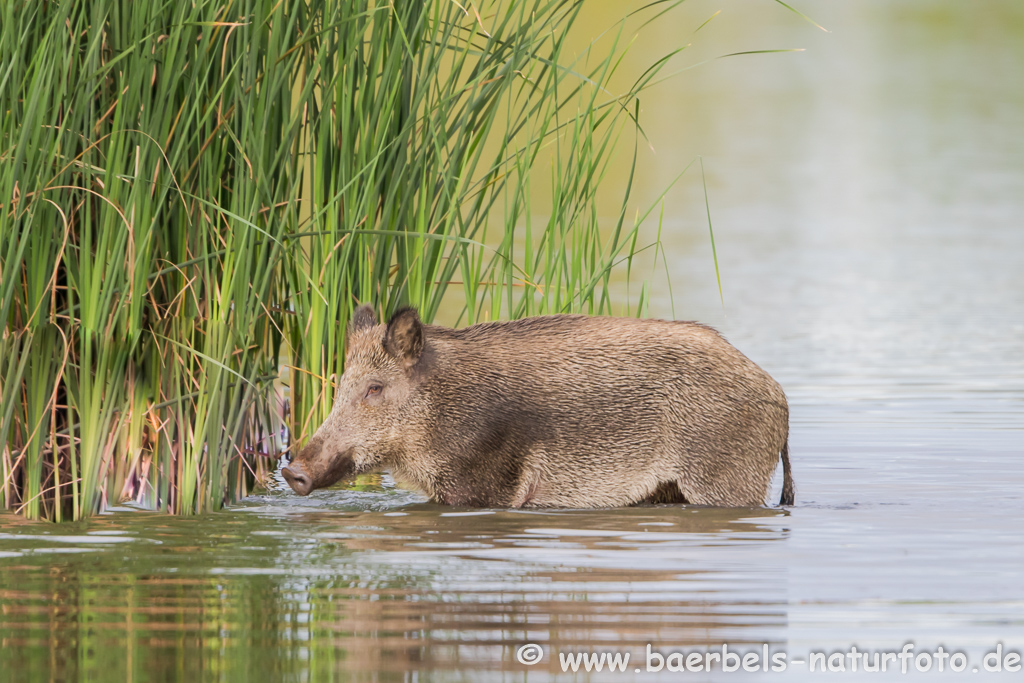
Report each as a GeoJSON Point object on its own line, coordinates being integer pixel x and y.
{"type": "Point", "coordinates": [867, 197]}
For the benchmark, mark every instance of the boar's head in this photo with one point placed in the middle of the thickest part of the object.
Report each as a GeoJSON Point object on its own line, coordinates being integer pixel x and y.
{"type": "Point", "coordinates": [371, 406]}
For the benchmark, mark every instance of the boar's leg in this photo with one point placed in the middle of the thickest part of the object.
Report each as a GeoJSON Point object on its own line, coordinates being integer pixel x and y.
{"type": "Point", "coordinates": [667, 493]}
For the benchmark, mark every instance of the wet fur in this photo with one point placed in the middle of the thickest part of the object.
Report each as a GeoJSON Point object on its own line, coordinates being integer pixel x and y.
{"type": "Point", "coordinates": [566, 411]}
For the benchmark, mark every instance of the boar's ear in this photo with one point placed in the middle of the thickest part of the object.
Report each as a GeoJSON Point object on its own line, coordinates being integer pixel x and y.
{"type": "Point", "coordinates": [362, 318]}
{"type": "Point", "coordinates": [404, 336]}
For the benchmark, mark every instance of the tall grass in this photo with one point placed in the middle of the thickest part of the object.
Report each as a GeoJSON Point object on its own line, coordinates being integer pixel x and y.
{"type": "Point", "coordinates": [190, 192]}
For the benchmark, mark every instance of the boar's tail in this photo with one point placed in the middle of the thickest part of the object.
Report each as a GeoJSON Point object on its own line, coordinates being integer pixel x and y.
{"type": "Point", "coordinates": [788, 496]}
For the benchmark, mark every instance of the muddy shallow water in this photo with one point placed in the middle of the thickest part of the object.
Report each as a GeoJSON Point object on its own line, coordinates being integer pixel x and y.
{"type": "Point", "coordinates": [868, 202]}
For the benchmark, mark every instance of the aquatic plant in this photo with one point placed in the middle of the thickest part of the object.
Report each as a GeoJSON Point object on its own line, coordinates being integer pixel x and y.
{"type": "Point", "coordinates": [191, 192]}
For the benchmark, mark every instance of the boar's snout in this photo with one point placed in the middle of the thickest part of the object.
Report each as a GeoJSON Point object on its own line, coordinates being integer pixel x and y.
{"type": "Point", "coordinates": [296, 476]}
{"type": "Point", "coordinates": [316, 467]}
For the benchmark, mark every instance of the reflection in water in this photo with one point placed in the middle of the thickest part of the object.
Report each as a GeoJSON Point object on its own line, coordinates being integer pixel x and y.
{"type": "Point", "coordinates": [867, 197]}
{"type": "Point", "coordinates": [270, 590]}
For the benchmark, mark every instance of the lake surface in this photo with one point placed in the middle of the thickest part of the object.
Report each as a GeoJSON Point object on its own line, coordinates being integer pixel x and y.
{"type": "Point", "coordinates": [868, 204]}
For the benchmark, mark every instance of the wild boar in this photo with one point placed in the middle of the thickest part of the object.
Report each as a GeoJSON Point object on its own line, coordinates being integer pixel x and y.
{"type": "Point", "coordinates": [553, 411]}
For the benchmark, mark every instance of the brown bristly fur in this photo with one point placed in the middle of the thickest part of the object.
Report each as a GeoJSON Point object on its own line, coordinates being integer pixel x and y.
{"type": "Point", "coordinates": [553, 411]}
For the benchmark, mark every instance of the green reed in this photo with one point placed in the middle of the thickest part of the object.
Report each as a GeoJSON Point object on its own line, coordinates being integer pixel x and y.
{"type": "Point", "coordinates": [192, 192]}
{"type": "Point", "coordinates": [149, 178]}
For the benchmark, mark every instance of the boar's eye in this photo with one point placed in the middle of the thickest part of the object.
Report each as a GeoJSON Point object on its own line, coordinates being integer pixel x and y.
{"type": "Point", "coordinates": [373, 390]}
